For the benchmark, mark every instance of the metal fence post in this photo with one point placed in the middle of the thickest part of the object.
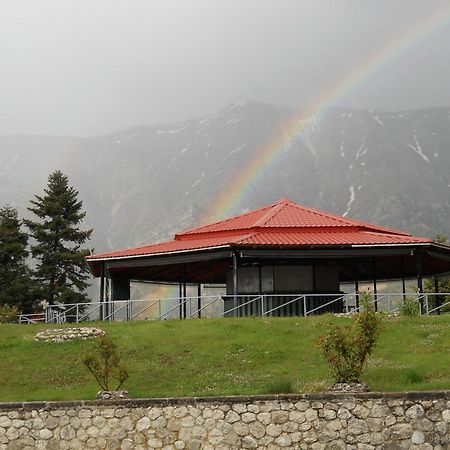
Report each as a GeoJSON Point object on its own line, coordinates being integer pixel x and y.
{"type": "Point", "coordinates": [262, 305]}
{"type": "Point", "coordinates": [304, 306]}
{"type": "Point", "coordinates": [159, 308]}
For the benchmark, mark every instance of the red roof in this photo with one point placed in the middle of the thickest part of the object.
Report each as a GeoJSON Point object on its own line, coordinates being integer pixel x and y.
{"type": "Point", "coordinates": [282, 224]}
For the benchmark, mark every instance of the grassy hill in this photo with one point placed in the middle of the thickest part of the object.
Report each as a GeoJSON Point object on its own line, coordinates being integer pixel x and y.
{"type": "Point", "coordinates": [222, 356]}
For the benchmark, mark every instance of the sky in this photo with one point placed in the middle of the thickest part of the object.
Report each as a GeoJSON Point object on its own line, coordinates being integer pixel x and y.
{"type": "Point", "coordinates": [88, 67]}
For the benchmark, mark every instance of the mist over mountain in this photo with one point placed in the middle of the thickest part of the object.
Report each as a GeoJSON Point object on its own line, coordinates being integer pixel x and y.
{"type": "Point", "coordinates": [143, 184]}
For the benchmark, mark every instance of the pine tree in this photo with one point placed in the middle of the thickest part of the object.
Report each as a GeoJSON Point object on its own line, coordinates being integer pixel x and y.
{"type": "Point", "coordinates": [16, 287]}
{"type": "Point", "coordinates": [61, 270]}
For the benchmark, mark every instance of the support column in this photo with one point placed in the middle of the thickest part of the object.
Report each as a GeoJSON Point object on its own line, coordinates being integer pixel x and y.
{"type": "Point", "coordinates": [120, 290]}
{"type": "Point", "coordinates": [419, 279]}
{"type": "Point", "coordinates": [402, 268]}
{"type": "Point", "coordinates": [184, 292]}
{"type": "Point", "coordinates": [180, 292]}
{"type": "Point", "coordinates": [356, 285]}
{"type": "Point", "coordinates": [102, 291]}
{"type": "Point", "coordinates": [235, 282]}
{"type": "Point", "coordinates": [199, 300]}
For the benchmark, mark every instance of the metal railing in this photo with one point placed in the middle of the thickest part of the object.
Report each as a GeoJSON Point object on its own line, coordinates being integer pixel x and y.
{"type": "Point", "coordinates": [263, 305]}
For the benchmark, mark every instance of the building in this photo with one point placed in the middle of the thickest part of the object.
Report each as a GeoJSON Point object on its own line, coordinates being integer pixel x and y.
{"type": "Point", "coordinates": [295, 257]}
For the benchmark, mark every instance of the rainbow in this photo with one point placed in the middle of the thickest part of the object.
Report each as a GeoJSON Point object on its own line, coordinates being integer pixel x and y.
{"type": "Point", "coordinates": [230, 198]}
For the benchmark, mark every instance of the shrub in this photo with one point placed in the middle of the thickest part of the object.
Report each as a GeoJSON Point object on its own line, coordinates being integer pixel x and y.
{"type": "Point", "coordinates": [281, 386]}
{"type": "Point", "coordinates": [346, 348]}
{"type": "Point", "coordinates": [104, 363]}
{"type": "Point", "coordinates": [9, 314]}
{"type": "Point", "coordinates": [410, 307]}
{"type": "Point", "coordinates": [413, 376]}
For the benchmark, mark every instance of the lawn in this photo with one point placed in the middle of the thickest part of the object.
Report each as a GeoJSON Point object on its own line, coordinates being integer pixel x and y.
{"type": "Point", "coordinates": [222, 356]}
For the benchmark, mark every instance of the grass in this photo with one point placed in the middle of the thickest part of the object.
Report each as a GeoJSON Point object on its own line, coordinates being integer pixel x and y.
{"type": "Point", "coordinates": [220, 357]}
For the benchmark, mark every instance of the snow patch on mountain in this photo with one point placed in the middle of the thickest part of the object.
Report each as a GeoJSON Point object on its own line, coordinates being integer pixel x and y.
{"type": "Point", "coordinates": [351, 200]}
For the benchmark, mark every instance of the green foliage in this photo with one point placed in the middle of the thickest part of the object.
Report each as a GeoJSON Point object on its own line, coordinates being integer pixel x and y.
{"type": "Point", "coordinates": [412, 376]}
{"type": "Point", "coordinates": [61, 271]}
{"type": "Point", "coordinates": [16, 287]}
{"type": "Point", "coordinates": [410, 307]}
{"type": "Point", "coordinates": [8, 314]}
{"type": "Point", "coordinates": [104, 363]}
{"type": "Point", "coordinates": [280, 386]}
{"type": "Point", "coordinates": [346, 348]}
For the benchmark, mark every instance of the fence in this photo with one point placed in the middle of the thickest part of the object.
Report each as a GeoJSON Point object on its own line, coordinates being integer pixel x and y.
{"type": "Point", "coordinates": [231, 306]}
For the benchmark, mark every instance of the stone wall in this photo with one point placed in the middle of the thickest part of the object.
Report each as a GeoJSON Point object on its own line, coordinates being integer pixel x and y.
{"type": "Point", "coordinates": [419, 420]}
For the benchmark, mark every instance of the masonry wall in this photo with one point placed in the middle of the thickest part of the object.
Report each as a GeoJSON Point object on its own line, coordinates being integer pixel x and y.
{"type": "Point", "coordinates": [419, 420]}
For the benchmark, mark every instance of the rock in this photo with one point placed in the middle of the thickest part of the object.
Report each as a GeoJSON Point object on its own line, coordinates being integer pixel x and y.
{"type": "Point", "coordinates": [45, 434]}
{"type": "Point", "coordinates": [68, 334]}
{"type": "Point", "coordinates": [249, 442]}
{"type": "Point", "coordinates": [111, 395]}
{"type": "Point", "coordinates": [279, 417]}
{"type": "Point", "coordinates": [248, 417]}
{"type": "Point", "coordinates": [417, 437]}
{"type": "Point", "coordinates": [232, 416]}
{"type": "Point", "coordinates": [415, 411]}
{"type": "Point", "coordinates": [350, 387]}
{"type": "Point", "coordinates": [446, 416]}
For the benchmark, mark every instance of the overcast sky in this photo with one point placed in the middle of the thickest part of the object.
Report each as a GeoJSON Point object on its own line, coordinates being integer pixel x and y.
{"type": "Point", "coordinates": [85, 67]}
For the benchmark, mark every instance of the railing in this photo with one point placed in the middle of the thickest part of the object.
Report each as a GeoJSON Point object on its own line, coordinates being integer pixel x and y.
{"type": "Point", "coordinates": [263, 305]}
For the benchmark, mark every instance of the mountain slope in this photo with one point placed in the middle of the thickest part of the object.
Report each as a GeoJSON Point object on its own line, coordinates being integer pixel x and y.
{"type": "Point", "coordinates": [143, 184]}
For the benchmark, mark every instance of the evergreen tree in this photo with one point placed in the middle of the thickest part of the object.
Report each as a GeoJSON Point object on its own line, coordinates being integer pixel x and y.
{"type": "Point", "coordinates": [61, 270]}
{"type": "Point", "coordinates": [16, 288]}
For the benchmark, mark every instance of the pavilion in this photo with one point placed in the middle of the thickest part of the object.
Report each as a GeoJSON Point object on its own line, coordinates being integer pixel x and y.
{"type": "Point", "coordinates": [278, 250]}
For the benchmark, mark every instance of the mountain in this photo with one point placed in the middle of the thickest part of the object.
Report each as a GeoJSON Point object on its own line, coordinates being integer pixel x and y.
{"type": "Point", "coordinates": [143, 184]}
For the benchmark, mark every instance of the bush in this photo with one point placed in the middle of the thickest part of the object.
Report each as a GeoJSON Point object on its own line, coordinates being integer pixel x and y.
{"type": "Point", "coordinates": [281, 386]}
{"type": "Point", "coordinates": [412, 376]}
{"type": "Point", "coordinates": [346, 348]}
{"type": "Point", "coordinates": [104, 363]}
{"type": "Point", "coordinates": [9, 314]}
{"type": "Point", "coordinates": [410, 307]}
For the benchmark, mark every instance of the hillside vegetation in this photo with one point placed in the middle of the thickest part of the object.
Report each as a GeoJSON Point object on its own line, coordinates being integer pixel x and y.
{"type": "Point", "coordinates": [221, 356]}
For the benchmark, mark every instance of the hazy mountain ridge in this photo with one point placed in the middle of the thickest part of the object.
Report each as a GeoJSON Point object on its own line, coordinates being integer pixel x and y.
{"type": "Point", "coordinates": [143, 184]}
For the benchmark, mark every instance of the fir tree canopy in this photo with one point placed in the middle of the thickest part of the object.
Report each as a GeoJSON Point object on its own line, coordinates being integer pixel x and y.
{"type": "Point", "coordinates": [61, 270]}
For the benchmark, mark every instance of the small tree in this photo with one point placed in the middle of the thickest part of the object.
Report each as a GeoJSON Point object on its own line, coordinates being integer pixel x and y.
{"type": "Point", "coordinates": [15, 281]}
{"type": "Point", "coordinates": [104, 363]}
{"type": "Point", "coordinates": [8, 314]}
{"type": "Point", "coordinates": [346, 348]}
{"type": "Point", "coordinates": [61, 271]}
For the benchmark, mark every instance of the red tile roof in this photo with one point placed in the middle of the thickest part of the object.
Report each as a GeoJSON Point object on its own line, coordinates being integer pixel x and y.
{"type": "Point", "coordinates": [281, 224]}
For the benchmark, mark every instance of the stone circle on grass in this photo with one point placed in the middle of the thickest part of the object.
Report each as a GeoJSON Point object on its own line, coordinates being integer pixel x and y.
{"type": "Point", "coordinates": [68, 334]}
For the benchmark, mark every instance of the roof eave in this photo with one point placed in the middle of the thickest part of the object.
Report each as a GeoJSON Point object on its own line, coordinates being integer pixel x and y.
{"type": "Point", "coordinates": [150, 255]}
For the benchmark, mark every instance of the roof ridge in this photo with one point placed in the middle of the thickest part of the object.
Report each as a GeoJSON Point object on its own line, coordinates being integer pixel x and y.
{"type": "Point", "coordinates": [273, 211]}
{"type": "Point", "coordinates": [253, 211]}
